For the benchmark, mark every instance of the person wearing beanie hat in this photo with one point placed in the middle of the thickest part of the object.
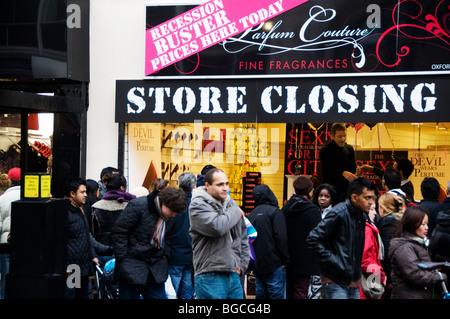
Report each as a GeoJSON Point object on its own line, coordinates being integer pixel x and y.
{"type": "Point", "coordinates": [201, 176]}
{"type": "Point", "coordinates": [301, 217]}
{"type": "Point", "coordinates": [14, 175]}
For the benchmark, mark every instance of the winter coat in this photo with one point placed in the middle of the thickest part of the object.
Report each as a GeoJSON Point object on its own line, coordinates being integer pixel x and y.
{"type": "Point", "coordinates": [408, 189]}
{"type": "Point", "coordinates": [104, 216]}
{"type": "Point", "coordinates": [440, 239]}
{"type": "Point", "coordinates": [339, 241]}
{"type": "Point", "coordinates": [386, 227]}
{"type": "Point", "coordinates": [301, 216]}
{"type": "Point", "coordinates": [372, 255]}
{"type": "Point", "coordinates": [335, 160]}
{"type": "Point", "coordinates": [79, 248]}
{"type": "Point", "coordinates": [136, 257]}
{"type": "Point", "coordinates": [270, 245]}
{"type": "Point", "coordinates": [431, 206]}
{"type": "Point", "coordinates": [10, 195]}
{"type": "Point", "coordinates": [408, 280]}
{"type": "Point", "coordinates": [180, 239]}
{"type": "Point", "coordinates": [219, 234]}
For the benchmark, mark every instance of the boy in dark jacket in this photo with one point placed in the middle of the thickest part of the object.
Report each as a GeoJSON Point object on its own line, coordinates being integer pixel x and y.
{"type": "Point", "coordinates": [140, 245]}
{"type": "Point", "coordinates": [301, 217]}
{"type": "Point", "coordinates": [270, 245]}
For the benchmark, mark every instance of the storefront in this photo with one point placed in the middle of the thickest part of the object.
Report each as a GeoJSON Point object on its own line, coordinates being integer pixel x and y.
{"type": "Point", "coordinates": [264, 100]}
{"type": "Point", "coordinates": [44, 75]}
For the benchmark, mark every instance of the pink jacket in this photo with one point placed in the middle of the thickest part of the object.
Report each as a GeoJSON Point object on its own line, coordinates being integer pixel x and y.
{"type": "Point", "coordinates": [371, 262]}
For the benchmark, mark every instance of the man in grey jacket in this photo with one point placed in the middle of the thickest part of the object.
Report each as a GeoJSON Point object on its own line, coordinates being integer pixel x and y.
{"type": "Point", "coordinates": [219, 239]}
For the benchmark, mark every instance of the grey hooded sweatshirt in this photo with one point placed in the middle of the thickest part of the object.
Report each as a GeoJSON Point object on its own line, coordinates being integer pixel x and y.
{"type": "Point", "coordinates": [219, 234]}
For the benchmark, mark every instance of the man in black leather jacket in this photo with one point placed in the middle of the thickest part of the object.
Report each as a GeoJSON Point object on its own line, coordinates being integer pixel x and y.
{"type": "Point", "coordinates": [339, 241]}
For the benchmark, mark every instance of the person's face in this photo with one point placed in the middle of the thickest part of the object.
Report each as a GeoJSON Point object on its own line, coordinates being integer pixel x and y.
{"type": "Point", "coordinates": [340, 137]}
{"type": "Point", "coordinates": [167, 212]}
{"type": "Point", "coordinates": [324, 199]}
{"type": "Point", "coordinates": [364, 200]}
{"type": "Point", "coordinates": [219, 187]}
{"type": "Point", "coordinates": [80, 196]}
{"type": "Point", "coordinates": [422, 231]}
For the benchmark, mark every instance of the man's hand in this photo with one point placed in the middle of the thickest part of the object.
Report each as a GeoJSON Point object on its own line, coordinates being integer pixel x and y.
{"type": "Point", "coordinates": [348, 175]}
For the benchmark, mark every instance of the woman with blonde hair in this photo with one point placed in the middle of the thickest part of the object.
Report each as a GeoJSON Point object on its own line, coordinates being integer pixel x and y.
{"type": "Point", "coordinates": [390, 208]}
{"type": "Point", "coordinates": [5, 183]}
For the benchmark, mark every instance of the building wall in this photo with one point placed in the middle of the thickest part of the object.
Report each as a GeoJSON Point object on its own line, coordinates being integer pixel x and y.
{"type": "Point", "coordinates": [117, 36]}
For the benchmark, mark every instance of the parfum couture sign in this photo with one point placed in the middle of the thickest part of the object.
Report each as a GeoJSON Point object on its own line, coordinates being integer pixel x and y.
{"type": "Point", "coordinates": [316, 37]}
{"type": "Point", "coordinates": [204, 26]}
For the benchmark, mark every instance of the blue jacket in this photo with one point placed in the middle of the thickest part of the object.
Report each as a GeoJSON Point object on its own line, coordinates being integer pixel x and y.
{"type": "Point", "coordinates": [180, 239]}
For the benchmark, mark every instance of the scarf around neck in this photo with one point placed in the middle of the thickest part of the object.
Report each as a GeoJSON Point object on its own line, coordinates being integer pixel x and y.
{"type": "Point", "coordinates": [158, 234]}
{"type": "Point", "coordinates": [119, 195]}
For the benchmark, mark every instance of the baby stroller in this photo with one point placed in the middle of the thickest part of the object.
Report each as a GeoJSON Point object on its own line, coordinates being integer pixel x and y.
{"type": "Point", "coordinates": [107, 287]}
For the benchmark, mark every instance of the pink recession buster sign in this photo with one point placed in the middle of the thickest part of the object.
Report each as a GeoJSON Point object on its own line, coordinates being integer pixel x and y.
{"type": "Point", "coordinates": [204, 26]}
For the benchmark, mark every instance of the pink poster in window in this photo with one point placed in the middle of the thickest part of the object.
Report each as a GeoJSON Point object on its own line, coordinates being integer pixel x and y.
{"type": "Point", "coordinates": [204, 26]}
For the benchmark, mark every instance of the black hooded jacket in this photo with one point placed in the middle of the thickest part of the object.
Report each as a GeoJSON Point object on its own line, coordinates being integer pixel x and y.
{"type": "Point", "coordinates": [270, 244]}
{"type": "Point", "coordinates": [440, 239]}
{"type": "Point", "coordinates": [301, 217]}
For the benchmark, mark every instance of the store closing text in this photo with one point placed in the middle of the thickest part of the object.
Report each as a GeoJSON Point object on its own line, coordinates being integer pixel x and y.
{"type": "Point", "coordinates": [278, 99]}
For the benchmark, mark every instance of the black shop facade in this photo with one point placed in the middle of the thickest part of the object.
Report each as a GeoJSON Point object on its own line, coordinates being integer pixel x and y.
{"type": "Point", "coordinates": [260, 105]}
{"type": "Point", "coordinates": [44, 76]}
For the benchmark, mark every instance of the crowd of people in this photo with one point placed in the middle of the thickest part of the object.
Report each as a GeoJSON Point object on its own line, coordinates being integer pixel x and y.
{"type": "Point", "coordinates": [192, 239]}
{"type": "Point", "coordinates": [341, 239]}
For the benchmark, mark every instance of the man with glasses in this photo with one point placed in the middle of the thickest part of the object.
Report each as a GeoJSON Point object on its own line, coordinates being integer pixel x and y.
{"type": "Point", "coordinates": [339, 241]}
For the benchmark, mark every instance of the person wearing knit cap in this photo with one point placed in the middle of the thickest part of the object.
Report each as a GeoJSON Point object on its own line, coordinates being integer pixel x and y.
{"type": "Point", "coordinates": [14, 175]}
{"type": "Point", "coordinates": [301, 217]}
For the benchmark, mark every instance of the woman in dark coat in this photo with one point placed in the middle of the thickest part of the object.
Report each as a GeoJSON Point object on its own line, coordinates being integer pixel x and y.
{"type": "Point", "coordinates": [140, 246]}
{"type": "Point", "coordinates": [301, 217]}
{"type": "Point", "coordinates": [93, 192]}
{"type": "Point", "coordinates": [106, 210]}
{"type": "Point", "coordinates": [390, 208]}
{"type": "Point", "coordinates": [407, 249]}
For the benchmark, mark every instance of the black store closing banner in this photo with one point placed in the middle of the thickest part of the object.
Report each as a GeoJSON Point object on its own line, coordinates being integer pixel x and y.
{"type": "Point", "coordinates": [357, 99]}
